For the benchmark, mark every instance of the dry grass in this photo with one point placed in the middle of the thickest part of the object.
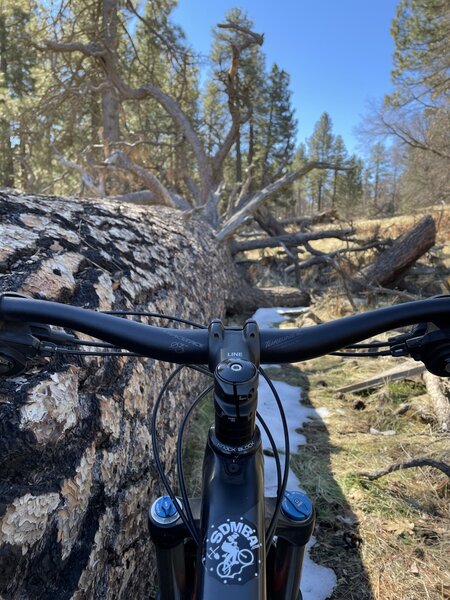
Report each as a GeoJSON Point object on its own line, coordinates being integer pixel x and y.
{"type": "Point", "coordinates": [388, 539]}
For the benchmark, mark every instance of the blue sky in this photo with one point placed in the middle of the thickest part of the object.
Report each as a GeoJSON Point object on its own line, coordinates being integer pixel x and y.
{"type": "Point", "coordinates": [337, 52]}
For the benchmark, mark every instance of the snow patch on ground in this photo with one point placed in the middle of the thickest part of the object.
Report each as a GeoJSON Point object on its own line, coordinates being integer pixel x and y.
{"type": "Point", "coordinates": [268, 317]}
{"type": "Point", "coordinates": [318, 582]}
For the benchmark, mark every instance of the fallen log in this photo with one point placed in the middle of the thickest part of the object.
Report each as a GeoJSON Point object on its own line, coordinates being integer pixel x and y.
{"type": "Point", "coordinates": [407, 369]}
{"type": "Point", "coordinates": [273, 227]}
{"type": "Point", "coordinates": [77, 474]}
{"type": "Point", "coordinates": [399, 257]}
{"type": "Point", "coordinates": [268, 222]}
{"type": "Point", "coordinates": [249, 297]}
{"type": "Point", "coordinates": [439, 392]}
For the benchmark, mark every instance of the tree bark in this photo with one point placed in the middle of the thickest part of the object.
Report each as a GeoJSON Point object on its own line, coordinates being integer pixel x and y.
{"type": "Point", "coordinates": [439, 392]}
{"type": "Point", "coordinates": [397, 259]}
{"type": "Point", "coordinates": [250, 297]}
{"type": "Point", "coordinates": [110, 102]}
{"type": "Point", "coordinates": [268, 222]}
{"type": "Point", "coordinates": [77, 474]}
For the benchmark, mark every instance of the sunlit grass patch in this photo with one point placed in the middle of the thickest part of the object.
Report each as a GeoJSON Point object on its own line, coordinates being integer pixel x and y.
{"type": "Point", "coordinates": [401, 520]}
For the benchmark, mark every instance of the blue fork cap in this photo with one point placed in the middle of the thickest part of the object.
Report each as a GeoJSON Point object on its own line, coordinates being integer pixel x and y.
{"type": "Point", "coordinates": [164, 511]}
{"type": "Point", "coordinates": [165, 508]}
{"type": "Point", "coordinates": [297, 506]}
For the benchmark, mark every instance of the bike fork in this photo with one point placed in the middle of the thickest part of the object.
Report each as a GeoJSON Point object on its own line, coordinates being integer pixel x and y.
{"type": "Point", "coordinates": [176, 560]}
{"type": "Point", "coordinates": [285, 561]}
{"type": "Point", "coordinates": [168, 532]}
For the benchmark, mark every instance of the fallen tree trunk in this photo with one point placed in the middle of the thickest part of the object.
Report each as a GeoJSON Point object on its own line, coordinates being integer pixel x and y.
{"type": "Point", "coordinates": [266, 297]}
{"type": "Point", "coordinates": [397, 259]}
{"type": "Point", "coordinates": [77, 474]}
{"type": "Point", "coordinates": [268, 222]}
{"type": "Point", "coordinates": [439, 392]}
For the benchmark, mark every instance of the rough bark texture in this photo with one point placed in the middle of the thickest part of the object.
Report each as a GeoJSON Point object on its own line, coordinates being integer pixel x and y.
{"type": "Point", "coordinates": [439, 391]}
{"type": "Point", "coordinates": [268, 222]}
{"type": "Point", "coordinates": [77, 475]}
{"type": "Point", "coordinates": [251, 297]}
{"type": "Point", "coordinates": [403, 253]}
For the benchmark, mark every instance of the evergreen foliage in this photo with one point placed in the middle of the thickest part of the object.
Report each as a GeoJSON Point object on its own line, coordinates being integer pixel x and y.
{"type": "Point", "coordinates": [320, 147]}
{"type": "Point", "coordinates": [64, 122]}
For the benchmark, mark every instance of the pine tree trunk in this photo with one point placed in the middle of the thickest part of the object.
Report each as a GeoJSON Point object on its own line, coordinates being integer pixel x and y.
{"type": "Point", "coordinates": [77, 474]}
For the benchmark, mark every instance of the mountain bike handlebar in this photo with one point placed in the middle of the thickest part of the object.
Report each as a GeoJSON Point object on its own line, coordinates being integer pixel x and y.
{"type": "Point", "coordinates": [185, 346]}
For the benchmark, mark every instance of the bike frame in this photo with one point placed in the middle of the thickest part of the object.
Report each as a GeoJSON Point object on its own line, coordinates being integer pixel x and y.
{"type": "Point", "coordinates": [233, 466]}
{"type": "Point", "coordinates": [232, 514]}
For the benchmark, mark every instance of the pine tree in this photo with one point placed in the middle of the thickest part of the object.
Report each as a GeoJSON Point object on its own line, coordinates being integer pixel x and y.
{"type": "Point", "coordinates": [250, 78]}
{"type": "Point", "coordinates": [16, 84]}
{"type": "Point", "coordinates": [418, 113]}
{"type": "Point", "coordinates": [300, 198]}
{"type": "Point", "coordinates": [278, 127]}
{"type": "Point", "coordinates": [163, 57]}
{"type": "Point", "coordinates": [378, 168]}
{"type": "Point", "coordinates": [320, 147]}
{"type": "Point", "coordinates": [421, 32]}
{"type": "Point", "coordinates": [350, 188]}
{"type": "Point", "coordinates": [339, 158]}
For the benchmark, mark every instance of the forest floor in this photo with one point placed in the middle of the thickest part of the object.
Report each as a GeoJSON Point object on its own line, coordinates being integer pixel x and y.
{"type": "Point", "coordinates": [387, 539]}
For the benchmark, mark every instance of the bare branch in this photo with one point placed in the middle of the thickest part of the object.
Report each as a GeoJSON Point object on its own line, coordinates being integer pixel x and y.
{"type": "Point", "coordinates": [86, 178]}
{"type": "Point", "coordinates": [322, 258]}
{"type": "Point", "coordinates": [93, 50]}
{"type": "Point", "coordinates": [256, 38]}
{"type": "Point", "coordinates": [234, 96]}
{"type": "Point", "coordinates": [108, 65]}
{"type": "Point", "coordinates": [236, 221]}
{"type": "Point", "coordinates": [120, 159]}
{"type": "Point", "coordinates": [417, 462]}
{"type": "Point", "coordinates": [292, 239]}
{"type": "Point", "coordinates": [148, 198]}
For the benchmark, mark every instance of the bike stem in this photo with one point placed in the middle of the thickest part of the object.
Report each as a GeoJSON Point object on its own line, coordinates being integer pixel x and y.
{"type": "Point", "coordinates": [234, 359]}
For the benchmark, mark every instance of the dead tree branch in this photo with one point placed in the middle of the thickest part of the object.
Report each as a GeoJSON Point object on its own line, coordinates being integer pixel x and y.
{"type": "Point", "coordinates": [322, 258]}
{"type": "Point", "coordinates": [439, 399]}
{"type": "Point", "coordinates": [237, 219]}
{"type": "Point", "coordinates": [403, 253]}
{"type": "Point", "coordinates": [121, 160]}
{"type": "Point", "coordinates": [257, 38]}
{"type": "Point", "coordinates": [86, 178]}
{"type": "Point", "coordinates": [417, 462]}
{"type": "Point", "coordinates": [146, 197]}
{"type": "Point", "coordinates": [291, 239]}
